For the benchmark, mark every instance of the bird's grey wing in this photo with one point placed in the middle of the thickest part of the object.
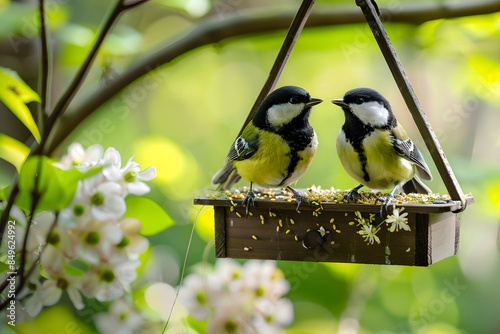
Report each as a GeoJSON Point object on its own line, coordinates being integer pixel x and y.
{"type": "Point", "coordinates": [410, 151]}
{"type": "Point", "coordinates": [241, 150]}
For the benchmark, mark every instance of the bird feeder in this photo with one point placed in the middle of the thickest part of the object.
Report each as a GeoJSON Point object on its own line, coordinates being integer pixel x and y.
{"type": "Point", "coordinates": [330, 231]}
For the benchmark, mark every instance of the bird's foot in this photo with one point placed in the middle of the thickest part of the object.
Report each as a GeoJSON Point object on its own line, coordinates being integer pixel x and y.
{"type": "Point", "coordinates": [353, 195]}
{"type": "Point", "coordinates": [385, 206]}
{"type": "Point", "coordinates": [298, 197]}
{"type": "Point", "coordinates": [248, 201]}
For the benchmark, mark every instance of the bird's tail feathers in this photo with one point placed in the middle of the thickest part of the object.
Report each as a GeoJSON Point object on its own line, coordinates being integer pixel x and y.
{"type": "Point", "coordinates": [415, 185]}
{"type": "Point", "coordinates": [424, 173]}
{"type": "Point", "coordinates": [226, 177]}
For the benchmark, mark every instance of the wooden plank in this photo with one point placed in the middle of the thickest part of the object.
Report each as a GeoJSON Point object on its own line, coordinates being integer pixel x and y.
{"type": "Point", "coordinates": [422, 240]}
{"type": "Point", "coordinates": [220, 231]}
{"type": "Point", "coordinates": [443, 240]}
{"type": "Point", "coordinates": [412, 102]}
{"type": "Point", "coordinates": [433, 235]}
{"type": "Point", "coordinates": [327, 206]}
{"type": "Point", "coordinates": [249, 238]}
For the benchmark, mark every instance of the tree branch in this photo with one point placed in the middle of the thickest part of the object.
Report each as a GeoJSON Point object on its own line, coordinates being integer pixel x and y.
{"type": "Point", "coordinates": [44, 78]}
{"type": "Point", "coordinates": [214, 30]}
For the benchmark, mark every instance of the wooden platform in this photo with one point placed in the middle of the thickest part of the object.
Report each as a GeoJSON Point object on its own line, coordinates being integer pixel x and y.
{"type": "Point", "coordinates": [276, 231]}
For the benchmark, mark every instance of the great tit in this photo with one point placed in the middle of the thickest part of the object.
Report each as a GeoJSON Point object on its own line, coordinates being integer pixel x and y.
{"type": "Point", "coordinates": [375, 150]}
{"type": "Point", "coordinates": [276, 147]}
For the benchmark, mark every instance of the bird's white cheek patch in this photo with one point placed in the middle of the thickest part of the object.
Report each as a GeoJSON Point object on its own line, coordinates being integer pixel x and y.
{"type": "Point", "coordinates": [281, 114]}
{"type": "Point", "coordinates": [371, 113]}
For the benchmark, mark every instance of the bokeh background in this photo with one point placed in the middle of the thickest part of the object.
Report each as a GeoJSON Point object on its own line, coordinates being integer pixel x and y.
{"type": "Point", "coordinates": [183, 118]}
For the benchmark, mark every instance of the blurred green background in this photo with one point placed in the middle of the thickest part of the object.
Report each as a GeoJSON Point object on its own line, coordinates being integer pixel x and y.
{"type": "Point", "coordinates": [183, 118]}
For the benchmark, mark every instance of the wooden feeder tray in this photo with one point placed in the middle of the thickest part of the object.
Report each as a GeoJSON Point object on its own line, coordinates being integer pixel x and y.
{"type": "Point", "coordinates": [323, 232]}
{"type": "Point", "coordinates": [276, 231]}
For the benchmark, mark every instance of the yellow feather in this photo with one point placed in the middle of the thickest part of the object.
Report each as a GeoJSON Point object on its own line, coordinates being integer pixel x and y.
{"type": "Point", "coordinates": [269, 165]}
{"type": "Point", "coordinates": [385, 167]}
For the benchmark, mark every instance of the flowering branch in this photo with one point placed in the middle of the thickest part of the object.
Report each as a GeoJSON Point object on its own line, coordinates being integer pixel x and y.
{"type": "Point", "coordinates": [61, 106]}
{"type": "Point", "coordinates": [47, 126]}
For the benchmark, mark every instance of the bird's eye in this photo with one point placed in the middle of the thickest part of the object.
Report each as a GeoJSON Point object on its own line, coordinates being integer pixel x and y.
{"type": "Point", "coordinates": [294, 100]}
{"type": "Point", "coordinates": [360, 100]}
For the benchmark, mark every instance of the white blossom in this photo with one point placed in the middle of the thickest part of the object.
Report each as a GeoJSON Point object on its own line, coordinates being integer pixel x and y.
{"type": "Point", "coordinates": [233, 314]}
{"type": "Point", "coordinates": [197, 293]}
{"type": "Point", "coordinates": [239, 299]}
{"type": "Point", "coordinates": [131, 244]}
{"type": "Point", "coordinates": [107, 282]}
{"type": "Point", "coordinates": [33, 302]}
{"type": "Point", "coordinates": [130, 176]}
{"type": "Point", "coordinates": [121, 318]}
{"type": "Point", "coordinates": [96, 240]}
{"type": "Point", "coordinates": [398, 221]}
{"type": "Point", "coordinates": [104, 199]}
{"type": "Point", "coordinates": [79, 157]}
{"type": "Point", "coordinates": [53, 288]}
{"type": "Point", "coordinates": [91, 232]}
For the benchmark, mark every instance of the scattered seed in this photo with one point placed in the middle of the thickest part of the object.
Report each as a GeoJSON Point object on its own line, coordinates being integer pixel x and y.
{"type": "Point", "coordinates": [338, 231]}
{"type": "Point", "coordinates": [346, 214]}
{"type": "Point", "coordinates": [298, 211]}
{"type": "Point", "coordinates": [254, 237]}
{"type": "Point", "coordinates": [231, 209]}
{"type": "Point", "coordinates": [351, 223]}
{"type": "Point", "coordinates": [334, 227]}
{"type": "Point", "coordinates": [296, 238]}
{"type": "Point", "coordinates": [332, 220]}
{"type": "Point", "coordinates": [292, 221]}
{"type": "Point", "coordinates": [238, 214]}
{"type": "Point", "coordinates": [246, 249]}
{"type": "Point", "coordinates": [277, 228]}
{"type": "Point", "coordinates": [287, 231]}
{"type": "Point", "coordinates": [250, 213]}
{"type": "Point", "coordinates": [332, 242]}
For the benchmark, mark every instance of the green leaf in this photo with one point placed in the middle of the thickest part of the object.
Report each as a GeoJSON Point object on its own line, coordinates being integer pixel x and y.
{"type": "Point", "coordinates": [4, 192]}
{"type": "Point", "coordinates": [152, 216]}
{"type": "Point", "coordinates": [3, 267]}
{"type": "Point", "coordinates": [79, 264]}
{"type": "Point", "coordinates": [15, 93]}
{"type": "Point", "coordinates": [197, 325]}
{"type": "Point", "coordinates": [13, 151]}
{"type": "Point", "coordinates": [72, 271]}
{"type": "Point", "coordinates": [56, 187]}
{"type": "Point", "coordinates": [144, 258]}
{"type": "Point", "coordinates": [55, 319]}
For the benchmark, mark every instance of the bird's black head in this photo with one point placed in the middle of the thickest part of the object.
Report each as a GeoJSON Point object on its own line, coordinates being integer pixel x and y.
{"type": "Point", "coordinates": [288, 105]}
{"type": "Point", "coordinates": [368, 106]}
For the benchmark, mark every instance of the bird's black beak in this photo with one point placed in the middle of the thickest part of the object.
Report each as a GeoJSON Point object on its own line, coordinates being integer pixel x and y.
{"type": "Point", "coordinates": [313, 102]}
{"type": "Point", "coordinates": [340, 103]}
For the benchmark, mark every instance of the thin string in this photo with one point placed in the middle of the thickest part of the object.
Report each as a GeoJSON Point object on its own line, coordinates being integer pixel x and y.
{"type": "Point", "coordinates": [183, 270]}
